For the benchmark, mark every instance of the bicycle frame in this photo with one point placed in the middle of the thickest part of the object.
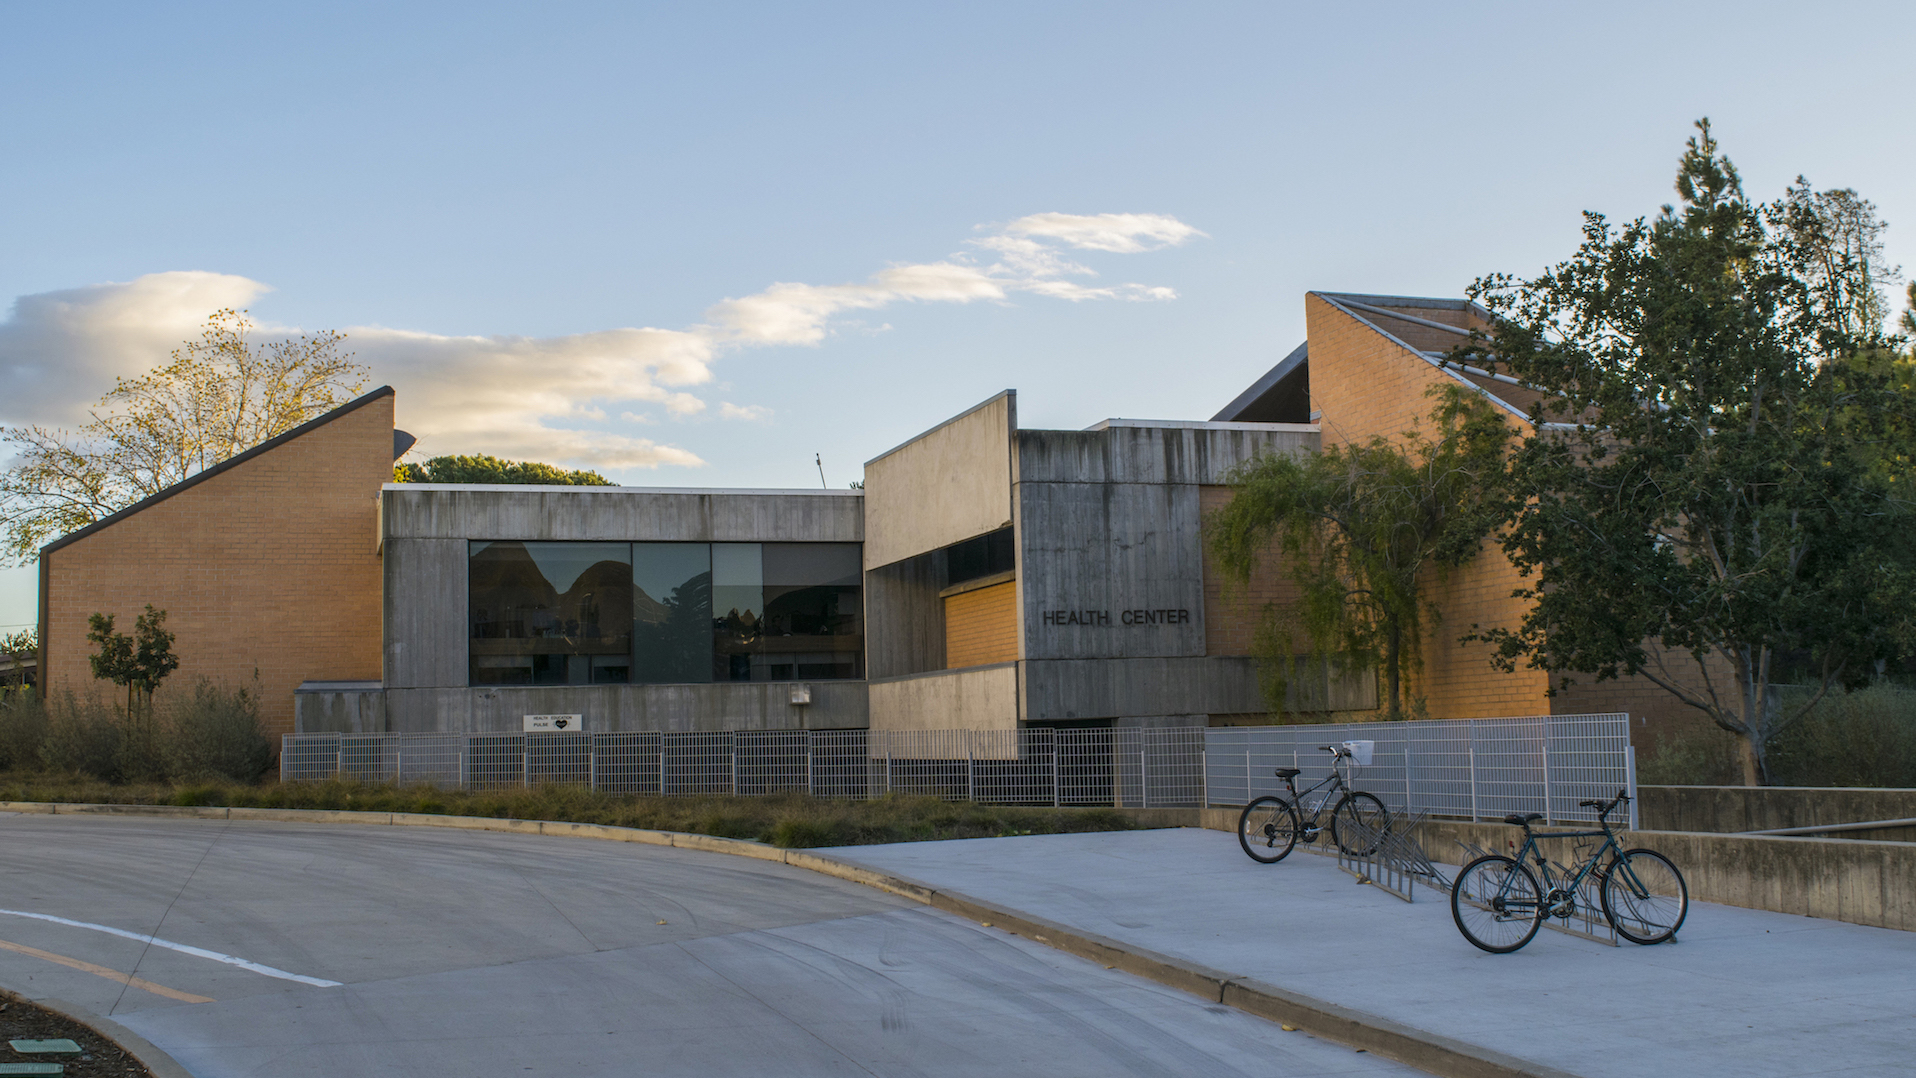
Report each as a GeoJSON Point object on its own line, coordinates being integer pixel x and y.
{"type": "Point", "coordinates": [1569, 884]}
{"type": "Point", "coordinates": [1335, 782]}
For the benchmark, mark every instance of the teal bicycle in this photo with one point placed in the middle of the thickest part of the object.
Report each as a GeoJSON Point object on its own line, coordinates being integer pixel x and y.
{"type": "Point", "coordinates": [1499, 904]}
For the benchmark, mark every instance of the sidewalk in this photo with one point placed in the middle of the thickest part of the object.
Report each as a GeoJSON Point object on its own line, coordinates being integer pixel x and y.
{"type": "Point", "coordinates": [1743, 993]}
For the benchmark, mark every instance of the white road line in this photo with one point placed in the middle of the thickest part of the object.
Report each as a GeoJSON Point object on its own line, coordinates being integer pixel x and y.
{"type": "Point", "coordinates": [197, 952]}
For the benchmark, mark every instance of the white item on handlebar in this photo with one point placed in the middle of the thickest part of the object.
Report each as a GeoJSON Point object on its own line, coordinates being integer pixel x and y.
{"type": "Point", "coordinates": [1360, 751]}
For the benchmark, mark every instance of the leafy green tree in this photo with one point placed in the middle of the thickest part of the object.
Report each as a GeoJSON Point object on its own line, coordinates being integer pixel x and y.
{"type": "Point", "coordinates": [217, 397]}
{"type": "Point", "coordinates": [1708, 477]}
{"type": "Point", "coordinates": [484, 469]}
{"type": "Point", "coordinates": [1359, 528]}
{"type": "Point", "coordinates": [16, 649]}
{"type": "Point", "coordinates": [139, 662]}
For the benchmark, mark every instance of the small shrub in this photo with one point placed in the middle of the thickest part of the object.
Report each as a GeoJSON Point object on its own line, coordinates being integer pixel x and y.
{"type": "Point", "coordinates": [797, 833]}
{"type": "Point", "coordinates": [1697, 755]}
{"type": "Point", "coordinates": [213, 732]}
{"type": "Point", "coordinates": [1862, 738]}
{"type": "Point", "coordinates": [197, 796]}
{"type": "Point", "coordinates": [83, 737]}
{"type": "Point", "coordinates": [23, 728]}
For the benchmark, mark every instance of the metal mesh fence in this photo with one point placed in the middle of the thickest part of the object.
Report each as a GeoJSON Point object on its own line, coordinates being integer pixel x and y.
{"type": "Point", "coordinates": [1463, 768]}
{"type": "Point", "coordinates": [1132, 768]}
{"type": "Point", "coordinates": [1467, 768]}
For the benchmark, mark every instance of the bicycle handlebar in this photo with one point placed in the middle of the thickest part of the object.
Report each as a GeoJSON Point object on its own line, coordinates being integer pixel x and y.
{"type": "Point", "coordinates": [1604, 808]}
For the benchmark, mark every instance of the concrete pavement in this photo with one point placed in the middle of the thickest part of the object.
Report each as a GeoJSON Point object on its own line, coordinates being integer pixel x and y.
{"type": "Point", "coordinates": [475, 953]}
{"type": "Point", "coordinates": [1743, 993]}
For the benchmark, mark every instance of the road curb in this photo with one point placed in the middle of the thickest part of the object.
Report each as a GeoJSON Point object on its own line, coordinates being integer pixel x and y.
{"type": "Point", "coordinates": [150, 1055]}
{"type": "Point", "coordinates": [1420, 1048]}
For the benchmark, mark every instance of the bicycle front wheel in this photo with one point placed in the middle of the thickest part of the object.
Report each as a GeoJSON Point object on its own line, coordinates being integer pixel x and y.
{"type": "Point", "coordinates": [1359, 823]}
{"type": "Point", "coordinates": [1496, 903]}
{"type": "Point", "coordinates": [1267, 829]}
{"type": "Point", "coordinates": [1644, 897]}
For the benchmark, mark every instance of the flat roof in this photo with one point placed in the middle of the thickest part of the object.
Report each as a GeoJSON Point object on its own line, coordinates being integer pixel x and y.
{"type": "Point", "coordinates": [1203, 424]}
{"type": "Point", "coordinates": [519, 488]}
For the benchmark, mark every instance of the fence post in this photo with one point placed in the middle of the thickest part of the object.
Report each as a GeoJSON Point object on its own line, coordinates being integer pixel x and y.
{"type": "Point", "coordinates": [809, 787]}
{"type": "Point", "coordinates": [661, 763]}
{"type": "Point", "coordinates": [1144, 773]}
{"type": "Point", "coordinates": [1543, 725]}
{"type": "Point", "coordinates": [1470, 744]}
{"type": "Point", "coordinates": [525, 760]}
{"type": "Point", "coordinates": [1054, 769]}
{"type": "Point", "coordinates": [732, 740]}
{"type": "Point", "coordinates": [592, 762]}
{"type": "Point", "coordinates": [1630, 774]}
{"type": "Point", "coordinates": [1204, 773]}
{"type": "Point", "coordinates": [971, 769]}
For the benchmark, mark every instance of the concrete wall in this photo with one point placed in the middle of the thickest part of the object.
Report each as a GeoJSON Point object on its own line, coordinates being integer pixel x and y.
{"type": "Point", "coordinates": [904, 617]}
{"type": "Point", "coordinates": [1112, 585]}
{"type": "Point", "coordinates": [447, 511]}
{"type": "Point", "coordinates": [1769, 808]}
{"type": "Point", "coordinates": [1865, 883]}
{"type": "Point", "coordinates": [677, 708]}
{"type": "Point", "coordinates": [335, 708]}
{"type": "Point", "coordinates": [978, 698]}
{"type": "Point", "coordinates": [427, 529]}
{"type": "Point", "coordinates": [267, 567]}
{"type": "Point", "coordinates": [1064, 689]}
{"type": "Point", "coordinates": [947, 485]}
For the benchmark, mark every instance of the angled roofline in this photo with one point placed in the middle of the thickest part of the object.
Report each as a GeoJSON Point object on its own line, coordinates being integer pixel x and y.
{"type": "Point", "coordinates": [1351, 305]}
{"type": "Point", "coordinates": [1298, 357]}
{"type": "Point", "coordinates": [229, 463]}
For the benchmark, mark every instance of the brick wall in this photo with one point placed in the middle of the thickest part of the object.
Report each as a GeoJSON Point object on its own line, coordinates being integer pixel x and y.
{"type": "Point", "coordinates": [982, 626]}
{"type": "Point", "coordinates": [265, 570]}
{"type": "Point", "coordinates": [1366, 385]}
{"type": "Point", "coordinates": [1232, 613]}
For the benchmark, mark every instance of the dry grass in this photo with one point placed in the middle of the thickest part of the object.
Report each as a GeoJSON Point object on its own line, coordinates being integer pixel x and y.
{"type": "Point", "coordinates": [788, 820]}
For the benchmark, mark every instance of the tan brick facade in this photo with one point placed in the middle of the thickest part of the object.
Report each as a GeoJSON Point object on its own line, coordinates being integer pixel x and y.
{"type": "Point", "coordinates": [1364, 384]}
{"type": "Point", "coordinates": [267, 569]}
{"type": "Point", "coordinates": [982, 626]}
{"type": "Point", "coordinates": [1232, 614]}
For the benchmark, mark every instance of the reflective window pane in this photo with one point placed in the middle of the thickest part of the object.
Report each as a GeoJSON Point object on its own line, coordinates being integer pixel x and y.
{"type": "Point", "coordinates": [550, 613]}
{"type": "Point", "coordinates": [671, 612]}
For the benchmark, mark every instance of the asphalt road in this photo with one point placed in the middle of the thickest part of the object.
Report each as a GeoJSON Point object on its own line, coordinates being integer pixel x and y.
{"type": "Point", "coordinates": [297, 949]}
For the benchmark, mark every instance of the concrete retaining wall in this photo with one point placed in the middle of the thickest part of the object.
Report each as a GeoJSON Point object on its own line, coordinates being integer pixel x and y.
{"type": "Point", "coordinates": [1862, 882]}
{"type": "Point", "coordinates": [1766, 808]}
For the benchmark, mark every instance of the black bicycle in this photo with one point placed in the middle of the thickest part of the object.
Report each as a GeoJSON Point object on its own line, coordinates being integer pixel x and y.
{"type": "Point", "coordinates": [1499, 905]}
{"type": "Point", "coordinates": [1270, 827]}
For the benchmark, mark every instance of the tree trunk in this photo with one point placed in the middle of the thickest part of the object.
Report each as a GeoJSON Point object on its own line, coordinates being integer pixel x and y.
{"type": "Point", "coordinates": [1752, 761]}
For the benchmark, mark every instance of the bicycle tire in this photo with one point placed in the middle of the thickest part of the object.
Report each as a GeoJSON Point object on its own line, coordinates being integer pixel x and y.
{"type": "Point", "coordinates": [1644, 897]}
{"type": "Point", "coordinates": [1483, 888]}
{"type": "Point", "coordinates": [1364, 818]}
{"type": "Point", "coordinates": [1267, 829]}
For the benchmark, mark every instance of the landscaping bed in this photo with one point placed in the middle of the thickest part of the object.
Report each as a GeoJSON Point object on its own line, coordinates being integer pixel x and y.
{"type": "Point", "coordinates": [790, 820]}
{"type": "Point", "coordinates": [98, 1058]}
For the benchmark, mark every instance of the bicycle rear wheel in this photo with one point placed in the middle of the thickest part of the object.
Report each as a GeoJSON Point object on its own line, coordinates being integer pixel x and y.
{"type": "Point", "coordinates": [1496, 903]}
{"type": "Point", "coordinates": [1644, 897]}
{"type": "Point", "coordinates": [1267, 829]}
{"type": "Point", "coordinates": [1359, 823]}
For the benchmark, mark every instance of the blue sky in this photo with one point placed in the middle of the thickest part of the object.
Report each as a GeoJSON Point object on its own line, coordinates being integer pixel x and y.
{"type": "Point", "coordinates": [486, 196]}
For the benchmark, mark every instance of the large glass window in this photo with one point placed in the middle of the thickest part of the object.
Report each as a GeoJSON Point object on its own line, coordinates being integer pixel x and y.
{"type": "Point", "coordinates": [663, 613]}
{"type": "Point", "coordinates": [551, 613]}
{"type": "Point", "coordinates": [671, 612]}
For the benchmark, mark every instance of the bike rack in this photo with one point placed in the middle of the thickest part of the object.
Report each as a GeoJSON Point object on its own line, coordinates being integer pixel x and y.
{"type": "Point", "coordinates": [1397, 861]}
{"type": "Point", "coordinates": [1587, 920]}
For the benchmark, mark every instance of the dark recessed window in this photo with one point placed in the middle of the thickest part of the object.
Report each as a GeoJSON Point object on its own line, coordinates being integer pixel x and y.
{"type": "Point", "coordinates": [551, 613]}
{"type": "Point", "coordinates": [987, 555]}
{"type": "Point", "coordinates": [664, 613]}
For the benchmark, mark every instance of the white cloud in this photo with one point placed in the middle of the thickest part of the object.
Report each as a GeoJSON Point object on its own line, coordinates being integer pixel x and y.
{"type": "Point", "coordinates": [527, 397]}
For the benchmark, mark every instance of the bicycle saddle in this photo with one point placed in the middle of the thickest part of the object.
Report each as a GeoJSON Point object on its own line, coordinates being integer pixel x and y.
{"type": "Point", "coordinates": [1519, 820]}
{"type": "Point", "coordinates": [1287, 772]}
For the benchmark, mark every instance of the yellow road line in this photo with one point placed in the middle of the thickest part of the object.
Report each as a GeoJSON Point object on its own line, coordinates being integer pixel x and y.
{"type": "Point", "coordinates": [102, 971]}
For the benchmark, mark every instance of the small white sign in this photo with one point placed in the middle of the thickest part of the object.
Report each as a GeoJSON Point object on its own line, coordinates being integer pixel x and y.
{"type": "Point", "coordinates": [554, 724]}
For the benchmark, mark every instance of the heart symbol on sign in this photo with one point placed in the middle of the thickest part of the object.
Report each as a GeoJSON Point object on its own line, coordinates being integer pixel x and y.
{"type": "Point", "coordinates": [560, 723]}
